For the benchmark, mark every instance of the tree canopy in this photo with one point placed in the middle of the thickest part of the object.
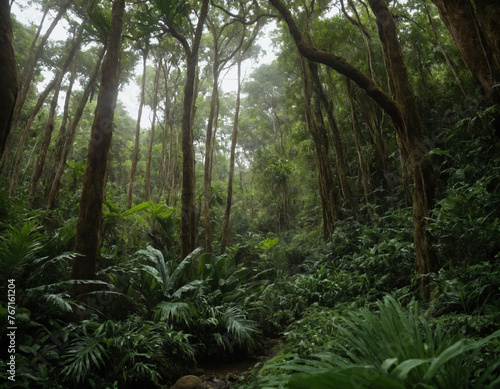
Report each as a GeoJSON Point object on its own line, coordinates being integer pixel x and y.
{"type": "Point", "coordinates": [152, 216]}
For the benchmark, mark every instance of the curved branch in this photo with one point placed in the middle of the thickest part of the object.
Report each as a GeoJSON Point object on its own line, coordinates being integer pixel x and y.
{"type": "Point", "coordinates": [340, 65]}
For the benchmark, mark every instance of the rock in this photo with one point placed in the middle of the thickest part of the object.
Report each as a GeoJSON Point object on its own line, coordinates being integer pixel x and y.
{"type": "Point", "coordinates": [188, 382]}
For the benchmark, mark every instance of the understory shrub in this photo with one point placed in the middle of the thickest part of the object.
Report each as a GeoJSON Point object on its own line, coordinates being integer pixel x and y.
{"type": "Point", "coordinates": [393, 347]}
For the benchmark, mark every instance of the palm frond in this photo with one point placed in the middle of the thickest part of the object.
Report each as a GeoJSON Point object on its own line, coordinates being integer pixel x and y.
{"type": "Point", "coordinates": [174, 311]}
{"type": "Point", "coordinates": [19, 246]}
{"type": "Point", "coordinates": [82, 356]}
{"type": "Point", "coordinates": [239, 326]}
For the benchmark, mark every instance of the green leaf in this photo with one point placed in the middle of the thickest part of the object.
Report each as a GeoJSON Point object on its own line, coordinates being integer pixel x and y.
{"type": "Point", "coordinates": [439, 151]}
{"type": "Point", "coordinates": [268, 243]}
{"type": "Point", "coordinates": [138, 208]}
{"type": "Point", "coordinates": [401, 371]}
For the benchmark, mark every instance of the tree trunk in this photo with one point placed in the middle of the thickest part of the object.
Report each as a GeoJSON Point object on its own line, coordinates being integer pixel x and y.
{"type": "Point", "coordinates": [90, 217]}
{"type": "Point", "coordinates": [61, 156]}
{"type": "Point", "coordinates": [326, 181]}
{"type": "Point", "coordinates": [24, 136]}
{"type": "Point", "coordinates": [28, 76]}
{"type": "Point", "coordinates": [441, 48]}
{"type": "Point", "coordinates": [374, 121]}
{"type": "Point", "coordinates": [476, 34]}
{"type": "Point", "coordinates": [40, 163]}
{"type": "Point", "coordinates": [8, 81]}
{"type": "Point", "coordinates": [227, 213]}
{"type": "Point", "coordinates": [208, 153]}
{"type": "Point", "coordinates": [404, 116]}
{"type": "Point", "coordinates": [151, 139]}
{"type": "Point", "coordinates": [188, 207]}
{"type": "Point", "coordinates": [363, 166]}
{"type": "Point", "coordinates": [334, 133]}
{"type": "Point", "coordinates": [137, 131]}
{"type": "Point", "coordinates": [413, 143]}
{"type": "Point", "coordinates": [59, 144]}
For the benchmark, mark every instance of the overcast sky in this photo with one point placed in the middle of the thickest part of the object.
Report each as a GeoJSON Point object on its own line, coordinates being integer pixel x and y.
{"type": "Point", "coordinates": [129, 96]}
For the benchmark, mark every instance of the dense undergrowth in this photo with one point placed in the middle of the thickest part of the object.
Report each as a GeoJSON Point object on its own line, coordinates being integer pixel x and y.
{"type": "Point", "coordinates": [349, 311]}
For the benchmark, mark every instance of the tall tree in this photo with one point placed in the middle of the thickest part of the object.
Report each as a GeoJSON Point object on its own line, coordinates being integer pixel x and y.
{"type": "Point", "coordinates": [473, 24]}
{"type": "Point", "coordinates": [24, 135]}
{"type": "Point", "coordinates": [8, 81]}
{"type": "Point", "coordinates": [63, 150]}
{"type": "Point", "coordinates": [27, 77]}
{"type": "Point", "coordinates": [144, 50]}
{"type": "Point", "coordinates": [149, 157]}
{"type": "Point", "coordinates": [413, 140]}
{"type": "Point", "coordinates": [326, 108]}
{"type": "Point", "coordinates": [37, 171]}
{"type": "Point", "coordinates": [402, 111]}
{"type": "Point", "coordinates": [225, 46]}
{"type": "Point", "coordinates": [169, 13]}
{"type": "Point", "coordinates": [326, 181]}
{"type": "Point", "coordinates": [363, 166]}
{"type": "Point", "coordinates": [90, 216]}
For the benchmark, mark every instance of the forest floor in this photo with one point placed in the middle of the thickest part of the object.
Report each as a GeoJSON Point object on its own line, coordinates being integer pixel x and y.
{"type": "Point", "coordinates": [229, 374]}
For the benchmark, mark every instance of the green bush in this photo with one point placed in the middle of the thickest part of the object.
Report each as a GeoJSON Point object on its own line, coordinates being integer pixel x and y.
{"type": "Point", "coordinates": [391, 348]}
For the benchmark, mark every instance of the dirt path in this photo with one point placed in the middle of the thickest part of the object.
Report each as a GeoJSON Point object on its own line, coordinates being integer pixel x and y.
{"type": "Point", "coordinates": [229, 374]}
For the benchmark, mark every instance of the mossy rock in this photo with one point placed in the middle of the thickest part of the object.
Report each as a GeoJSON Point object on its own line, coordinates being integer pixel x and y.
{"type": "Point", "coordinates": [188, 382]}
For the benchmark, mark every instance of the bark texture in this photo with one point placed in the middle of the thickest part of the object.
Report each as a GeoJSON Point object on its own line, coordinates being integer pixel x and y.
{"type": "Point", "coordinates": [326, 180]}
{"type": "Point", "coordinates": [8, 81]}
{"type": "Point", "coordinates": [403, 112]}
{"type": "Point", "coordinates": [135, 157]}
{"type": "Point", "coordinates": [412, 143]}
{"type": "Point", "coordinates": [90, 216]}
{"type": "Point", "coordinates": [227, 213]}
{"type": "Point", "coordinates": [49, 128]}
{"type": "Point", "coordinates": [152, 136]}
{"type": "Point", "coordinates": [475, 28]}
{"type": "Point", "coordinates": [61, 156]}
{"type": "Point", "coordinates": [188, 207]}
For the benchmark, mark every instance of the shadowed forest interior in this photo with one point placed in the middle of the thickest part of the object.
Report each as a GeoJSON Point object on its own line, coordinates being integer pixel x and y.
{"type": "Point", "coordinates": [265, 194]}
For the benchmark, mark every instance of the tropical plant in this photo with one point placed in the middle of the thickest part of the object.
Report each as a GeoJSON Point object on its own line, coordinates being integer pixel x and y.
{"type": "Point", "coordinates": [391, 348]}
{"type": "Point", "coordinates": [201, 294]}
{"type": "Point", "coordinates": [134, 351]}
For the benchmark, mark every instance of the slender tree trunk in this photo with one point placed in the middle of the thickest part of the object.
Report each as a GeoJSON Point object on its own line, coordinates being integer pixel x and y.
{"type": "Point", "coordinates": [59, 144]}
{"type": "Point", "coordinates": [188, 207]}
{"type": "Point", "coordinates": [151, 139]}
{"type": "Point", "coordinates": [137, 132]}
{"type": "Point", "coordinates": [24, 136]}
{"type": "Point", "coordinates": [374, 121]}
{"type": "Point", "coordinates": [176, 173]}
{"type": "Point", "coordinates": [61, 157]}
{"type": "Point", "coordinates": [334, 133]}
{"type": "Point", "coordinates": [326, 181]}
{"type": "Point", "coordinates": [413, 144]}
{"type": "Point", "coordinates": [364, 33]}
{"type": "Point", "coordinates": [227, 213]}
{"type": "Point", "coordinates": [163, 172]}
{"type": "Point", "coordinates": [28, 76]}
{"type": "Point", "coordinates": [208, 154]}
{"type": "Point", "coordinates": [443, 51]}
{"type": "Point", "coordinates": [37, 171]}
{"type": "Point", "coordinates": [476, 34]}
{"type": "Point", "coordinates": [363, 167]}
{"type": "Point", "coordinates": [404, 116]}
{"type": "Point", "coordinates": [89, 219]}
{"type": "Point", "coordinates": [8, 81]}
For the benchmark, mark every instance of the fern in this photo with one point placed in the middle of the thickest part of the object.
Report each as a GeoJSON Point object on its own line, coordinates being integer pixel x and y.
{"type": "Point", "coordinates": [386, 349]}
